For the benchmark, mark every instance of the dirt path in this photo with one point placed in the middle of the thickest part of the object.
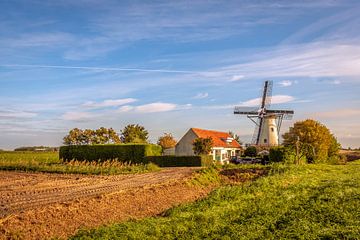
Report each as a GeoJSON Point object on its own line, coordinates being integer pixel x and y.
{"type": "Point", "coordinates": [25, 191]}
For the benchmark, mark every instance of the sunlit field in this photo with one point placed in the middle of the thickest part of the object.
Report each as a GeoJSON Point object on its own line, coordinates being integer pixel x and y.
{"type": "Point", "coordinates": [292, 202]}
{"type": "Point", "coordinates": [49, 162]}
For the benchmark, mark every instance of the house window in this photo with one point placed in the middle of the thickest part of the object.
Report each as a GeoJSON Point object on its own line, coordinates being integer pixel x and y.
{"type": "Point", "coordinates": [265, 140]}
{"type": "Point", "coordinates": [272, 129]}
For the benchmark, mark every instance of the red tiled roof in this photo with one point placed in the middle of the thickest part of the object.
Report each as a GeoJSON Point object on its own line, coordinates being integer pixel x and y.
{"type": "Point", "coordinates": [219, 138]}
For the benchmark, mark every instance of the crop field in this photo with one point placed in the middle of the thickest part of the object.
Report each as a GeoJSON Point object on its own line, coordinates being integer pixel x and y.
{"type": "Point", "coordinates": [292, 202]}
{"type": "Point", "coordinates": [46, 205]}
{"type": "Point", "coordinates": [40, 199]}
{"type": "Point", "coordinates": [49, 162]}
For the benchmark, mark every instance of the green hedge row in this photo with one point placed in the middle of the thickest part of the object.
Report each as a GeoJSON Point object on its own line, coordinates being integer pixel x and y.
{"type": "Point", "coordinates": [134, 153]}
{"type": "Point", "coordinates": [180, 161]}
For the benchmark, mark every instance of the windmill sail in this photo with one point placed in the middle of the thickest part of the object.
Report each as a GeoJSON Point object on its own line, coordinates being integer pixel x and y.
{"type": "Point", "coordinates": [267, 121]}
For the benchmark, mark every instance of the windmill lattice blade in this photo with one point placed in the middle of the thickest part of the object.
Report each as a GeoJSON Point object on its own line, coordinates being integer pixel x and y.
{"type": "Point", "coordinates": [256, 131]}
{"type": "Point", "coordinates": [288, 116]}
{"type": "Point", "coordinates": [268, 94]}
{"type": "Point", "coordinates": [246, 110]}
{"type": "Point", "coordinates": [280, 111]}
{"type": "Point", "coordinates": [267, 85]}
{"type": "Point", "coordinates": [261, 123]}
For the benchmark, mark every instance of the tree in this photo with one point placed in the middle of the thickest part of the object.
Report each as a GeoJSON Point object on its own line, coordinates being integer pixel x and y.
{"type": "Point", "coordinates": [75, 137]}
{"type": "Point", "coordinates": [166, 141]}
{"type": "Point", "coordinates": [134, 134]}
{"type": "Point", "coordinates": [250, 151]}
{"type": "Point", "coordinates": [312, 139]}
{"type": "Point", "coordinates": [235, 137]}
{"type": "Point", "coordinates": [106, 136]}
{"type": "Point", "coordinates": [102, 135]}
{"type": "Point", "coordinates": [202, 145]}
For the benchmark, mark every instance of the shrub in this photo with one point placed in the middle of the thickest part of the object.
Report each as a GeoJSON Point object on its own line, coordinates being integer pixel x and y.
{"type": "Point", "coordinates": [180, 161]}
{"type": "Point", "coordinates": [250, 151]}
{"type": "Point", "coordinates": [285, 155]}
{"type": "Point", "coordinates": [133, 153]}
{"type": "Point", "coordinates": [277, 154]}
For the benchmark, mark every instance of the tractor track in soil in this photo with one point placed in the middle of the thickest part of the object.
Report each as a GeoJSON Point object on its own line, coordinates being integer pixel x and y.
{"type": "Point", "coordinates": [20, 191]}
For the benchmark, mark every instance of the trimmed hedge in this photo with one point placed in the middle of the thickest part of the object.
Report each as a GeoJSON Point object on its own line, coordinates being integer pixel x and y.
{"type": "Point", "coordinates": [134, 153]}
{"type": "Point", "coordinates": [180, 161]}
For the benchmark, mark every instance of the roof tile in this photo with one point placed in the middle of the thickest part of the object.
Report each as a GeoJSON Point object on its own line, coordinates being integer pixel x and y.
{"type": "Point", "coordinates": [219, 138]}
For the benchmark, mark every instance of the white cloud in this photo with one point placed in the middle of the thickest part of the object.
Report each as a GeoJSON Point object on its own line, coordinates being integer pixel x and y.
{"type": "Point", "coordinates": [201, 95]}
{"type": "Point", "coordinates": [286, 83]}
{"type": "Point", "coordinates": [77, 116]}
{"type": "Point", "coordinates": [236, 78]}
{"type": "Point", "coordinates": [277, 99]}
{"type": "Point", "coordinates": [336, 82]}
{"type": "Point", "coordinates": [38, 40]}
{"type": "Point", "coordinates": [155, 107]}
{"type": "Point", "coordinates": [125, 108]}
{"type": "Point", "coordinates": [109, 103]}
{"type": "Point", "coordinates": [16, 114]}
{"type": "Point", "coordinates": [318, 59]}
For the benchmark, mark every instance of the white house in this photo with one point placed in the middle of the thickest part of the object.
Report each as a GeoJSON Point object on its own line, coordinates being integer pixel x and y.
{"type": "Point", "coordinates": [224, 146]}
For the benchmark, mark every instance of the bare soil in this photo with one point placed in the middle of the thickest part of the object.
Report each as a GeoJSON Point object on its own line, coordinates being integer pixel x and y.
{"type": "Point", "coordinates": [238, 176]}
{"type": "Point", "coordinates": [38, 206]}
{"type": "Point", "coordinates": [351, 155]}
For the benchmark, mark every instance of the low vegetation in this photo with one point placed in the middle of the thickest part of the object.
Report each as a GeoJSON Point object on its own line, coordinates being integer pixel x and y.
{"type": "Point", "coordinates": [49, 162]}
{"type": "Point", "coordinates": [131, 153]}
{"type": "Point", "coordinates": [311, 201]}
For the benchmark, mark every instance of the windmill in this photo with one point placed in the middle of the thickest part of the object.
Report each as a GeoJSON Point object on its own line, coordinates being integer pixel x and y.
{"type": "Point", "coordinates": [267, 121]}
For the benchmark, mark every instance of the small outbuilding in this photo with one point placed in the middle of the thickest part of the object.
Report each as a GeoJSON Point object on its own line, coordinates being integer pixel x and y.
{"type": "Point", "coordinates": [224, 146]}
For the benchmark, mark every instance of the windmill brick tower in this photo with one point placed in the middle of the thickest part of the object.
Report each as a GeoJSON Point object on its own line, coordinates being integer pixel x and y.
{"type": "Point", "coordinates": [267, 121]}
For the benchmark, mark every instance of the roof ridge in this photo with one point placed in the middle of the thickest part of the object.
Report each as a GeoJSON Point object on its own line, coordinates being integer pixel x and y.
{"type": "Point", "coordinates": [201, 129]}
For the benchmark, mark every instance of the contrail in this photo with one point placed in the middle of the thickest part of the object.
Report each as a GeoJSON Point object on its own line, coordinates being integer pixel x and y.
{"type": "Point", "coordinates": [99, 68]}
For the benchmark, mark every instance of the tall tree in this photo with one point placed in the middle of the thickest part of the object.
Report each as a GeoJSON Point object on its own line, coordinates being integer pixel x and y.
{"type": "Point", "coordinates": [134, 134]}
{"type": "Point", "coordinates": [202, 145]}
{"type": "Point", "coordinates": [166, 141]}
{"type": "Point", "coordinates": [102, 135]}
{"type": "Point", "coordinates": [75, 137]}
{"type": "Point", "coordinates": [312, 138]}
{"type": "Point", "coordinates": [235, 137]}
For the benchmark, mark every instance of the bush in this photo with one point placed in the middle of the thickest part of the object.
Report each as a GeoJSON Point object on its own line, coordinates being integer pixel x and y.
{"type": "Point", "coordinates": [277, 154]}
{"type": "Point", "coordinates": [285, 155]}
{"type": "Point", "coordinates": [250, 151]}
{"type": "Point", "coordinates": [180, 161]}
{"type": "Point", "coordinates": [134, 153]}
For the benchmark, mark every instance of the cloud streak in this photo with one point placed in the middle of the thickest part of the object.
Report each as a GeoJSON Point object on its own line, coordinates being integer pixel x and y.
{"type": "Point", "coordinates": [109, 103]}
{"type": "Point", "coordinates": [95, 68]}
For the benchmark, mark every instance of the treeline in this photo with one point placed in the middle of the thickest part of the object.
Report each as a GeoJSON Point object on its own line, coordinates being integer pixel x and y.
{"type": "Point", "coordinates": [132, 133]}
{"type": "Point", "coordinates": [37, 149]}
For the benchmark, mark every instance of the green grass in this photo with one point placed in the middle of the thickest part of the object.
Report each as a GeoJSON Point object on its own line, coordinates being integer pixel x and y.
{"type": "Point", "coordinates": [292, 202]}
{"type": "Point", "coordinates": [49, 162]}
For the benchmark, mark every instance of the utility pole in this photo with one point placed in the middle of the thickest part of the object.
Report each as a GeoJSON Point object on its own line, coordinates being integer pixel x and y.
{"type": "Point", "coordinates": [297, 149]}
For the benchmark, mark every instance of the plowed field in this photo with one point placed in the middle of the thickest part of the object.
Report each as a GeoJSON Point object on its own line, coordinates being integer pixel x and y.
{"type": "Point", "coordinates": [24, 191]}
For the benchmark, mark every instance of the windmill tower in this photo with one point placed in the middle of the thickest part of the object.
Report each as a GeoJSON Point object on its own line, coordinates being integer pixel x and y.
{"type": "Point", "coordinates": [267, 121]}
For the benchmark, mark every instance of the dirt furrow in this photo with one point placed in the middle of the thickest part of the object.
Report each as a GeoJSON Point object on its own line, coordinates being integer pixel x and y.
{"type": "Point", "coordinates": [25, 191]}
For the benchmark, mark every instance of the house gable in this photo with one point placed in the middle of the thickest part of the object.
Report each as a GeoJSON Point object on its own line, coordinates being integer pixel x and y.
{"type": "Point", "coordinates": [185, 145]}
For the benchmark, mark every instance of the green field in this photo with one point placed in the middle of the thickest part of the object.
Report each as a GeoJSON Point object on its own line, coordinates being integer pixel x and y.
{"type": "Point", "coordinates": [292, 202]}
{"type": "Point", "coordinates": [49, 162]}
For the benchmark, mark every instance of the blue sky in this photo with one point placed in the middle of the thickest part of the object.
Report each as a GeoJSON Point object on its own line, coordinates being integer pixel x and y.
{"type": "Point", "coordinates": [172, 65]}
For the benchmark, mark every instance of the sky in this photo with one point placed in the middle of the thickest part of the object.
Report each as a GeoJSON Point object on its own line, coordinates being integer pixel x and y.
{"type": "Point", "coordinates": [173, 65]}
